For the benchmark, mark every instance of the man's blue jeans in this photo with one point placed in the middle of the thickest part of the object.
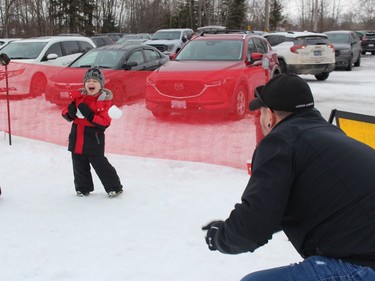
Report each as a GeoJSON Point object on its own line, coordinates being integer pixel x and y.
{"type": "Point", "coordinates": [315, 268]}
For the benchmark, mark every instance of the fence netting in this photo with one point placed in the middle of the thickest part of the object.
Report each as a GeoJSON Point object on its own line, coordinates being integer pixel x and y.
{"type": "Point", "coordinates": [35, 105]}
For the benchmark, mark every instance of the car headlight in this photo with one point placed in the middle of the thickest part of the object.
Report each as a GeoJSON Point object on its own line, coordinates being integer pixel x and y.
{"type": "Point", "coordinates": [219, 82]}
{"type": "Point", "coordinates": [214, 83]}
{"type": "Point", "coordinates": [171, 47]}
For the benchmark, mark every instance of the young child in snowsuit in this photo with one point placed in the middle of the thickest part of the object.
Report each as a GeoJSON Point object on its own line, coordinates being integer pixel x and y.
{"type": "Point", "coordinates": [89, 113]}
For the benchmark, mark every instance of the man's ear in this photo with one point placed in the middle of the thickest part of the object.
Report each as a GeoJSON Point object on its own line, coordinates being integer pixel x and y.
{"type": "Point", "coordinates": [272, 118]}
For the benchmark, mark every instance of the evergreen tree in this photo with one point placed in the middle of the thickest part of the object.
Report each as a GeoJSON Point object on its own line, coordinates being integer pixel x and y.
{"type": "Point", "coordinates": [275, 14]}
{"type": "Point", "coordinates": [88, 11]}
{"type": "Point", "coordinates": [236, 14]}
{"type": "Point", "coordinates": [72, 16]}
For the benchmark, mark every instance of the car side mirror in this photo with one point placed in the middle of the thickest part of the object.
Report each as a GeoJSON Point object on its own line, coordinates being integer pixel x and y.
{"type": "Point", "coordinates": [255, 59]}
{"type": "Point", "coordinates": [129, 65]}
{"type": "Point", "coordinates": [52, 56]}
{"type": "Point", "coordinates": [184, 39]}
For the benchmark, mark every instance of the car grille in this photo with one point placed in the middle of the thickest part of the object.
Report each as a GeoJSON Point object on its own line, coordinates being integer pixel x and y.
{"type": "Point", "coordinates": [179, 89]}
{"type": "Point", "coordinates": [161, 48]}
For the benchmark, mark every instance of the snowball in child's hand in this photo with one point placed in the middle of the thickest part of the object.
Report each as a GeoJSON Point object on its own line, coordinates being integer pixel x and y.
{"type": "Point", "coordinates": [79, 114]}
{"type": "Point", "coordinates": [114, 112]}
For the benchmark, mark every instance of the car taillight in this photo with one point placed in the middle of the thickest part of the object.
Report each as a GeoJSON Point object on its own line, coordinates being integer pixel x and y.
{"type": "Point", "coordinates": [331, 46]}
{"type": "Point", "coordinates": [364, 39]}
{"type": "Point", "coordinates": [295, 48]}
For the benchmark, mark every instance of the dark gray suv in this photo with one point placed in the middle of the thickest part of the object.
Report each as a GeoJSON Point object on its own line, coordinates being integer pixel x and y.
{"type": "Point", "coordinates": [347, 48]}
{"type": "Point", "coordinates": [368, 43]}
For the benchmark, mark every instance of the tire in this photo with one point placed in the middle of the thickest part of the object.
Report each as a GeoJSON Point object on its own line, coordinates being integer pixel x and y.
{"type": "Point", "coordinates": [240, 103]}
{"type": "Point", "coordinates": [363, 53]}
{"type": "Point", "coordinates": [350, 64]}
{"type": "Point", "coordinates": [322, 76]}
{"type": "Point", "coordinates": [38, 85]}
{"type": "Point", "coordinates": [358, 62]}
{"type": "Point", "coordinates": [372, 53]}
{"type": "Point", "coordinates": [119, 93]}
{"type": "Point", "coordinates": [283, 66]}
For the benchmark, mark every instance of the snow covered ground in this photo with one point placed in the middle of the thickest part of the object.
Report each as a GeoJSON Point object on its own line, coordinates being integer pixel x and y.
{"type": "Point", "coordinates": [151, 232]}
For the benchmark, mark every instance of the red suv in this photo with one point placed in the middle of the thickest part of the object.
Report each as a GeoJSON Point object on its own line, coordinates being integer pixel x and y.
{"type": "Point", "coordinates": [212, 73]}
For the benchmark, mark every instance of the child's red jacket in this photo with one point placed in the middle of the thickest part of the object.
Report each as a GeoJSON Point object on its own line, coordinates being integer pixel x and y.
{"type": "Point", "coordinates": [88, 137]}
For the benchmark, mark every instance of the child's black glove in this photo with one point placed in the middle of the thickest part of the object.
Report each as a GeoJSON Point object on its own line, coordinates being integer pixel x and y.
{"type": "Point", "coordinates": [212, 229]}
{"type": "Point", "coordinates": [71, 114]}
{"type": "Point", "coordinates": [72, 110]}
{"type": "Point", "coordinates": [86, 111]}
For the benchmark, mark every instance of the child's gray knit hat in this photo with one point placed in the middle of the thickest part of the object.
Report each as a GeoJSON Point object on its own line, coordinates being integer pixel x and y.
{"type": "Point", "coordinates": [94, 72]}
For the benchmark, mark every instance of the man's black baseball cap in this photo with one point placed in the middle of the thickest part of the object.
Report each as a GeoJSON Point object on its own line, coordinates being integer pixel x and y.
{"type": "Point", "coordinates": [284, 92]}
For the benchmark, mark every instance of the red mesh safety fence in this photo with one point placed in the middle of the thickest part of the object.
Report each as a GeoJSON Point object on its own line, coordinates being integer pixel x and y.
{"type": "Point", "coordinates": [37, 94]}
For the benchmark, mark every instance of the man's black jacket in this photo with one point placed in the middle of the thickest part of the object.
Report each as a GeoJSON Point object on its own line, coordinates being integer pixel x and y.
{"type": "Point", "coordinates": [313, 182]}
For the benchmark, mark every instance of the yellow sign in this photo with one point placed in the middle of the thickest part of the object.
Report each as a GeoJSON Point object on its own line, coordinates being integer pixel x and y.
{"type": "Point", "coordinates": [362, 131]}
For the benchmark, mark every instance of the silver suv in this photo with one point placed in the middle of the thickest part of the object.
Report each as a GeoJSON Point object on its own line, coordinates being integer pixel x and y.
{"type": "Point", "coordinates": [170, 41]}
{"type": "Point", "coordinates": [303, 53]}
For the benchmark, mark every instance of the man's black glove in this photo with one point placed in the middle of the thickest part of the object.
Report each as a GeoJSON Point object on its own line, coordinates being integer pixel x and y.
{"type": "Point", "coordinates": [72, 110]}
{"type": "Point", "coordinates": [212, 229]}
{"type": "Point", "coordinates": [86, 111]}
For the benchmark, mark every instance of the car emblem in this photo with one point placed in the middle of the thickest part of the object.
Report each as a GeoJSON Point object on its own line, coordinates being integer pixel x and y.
{"type": "Point", "coordinates": [178, 86]}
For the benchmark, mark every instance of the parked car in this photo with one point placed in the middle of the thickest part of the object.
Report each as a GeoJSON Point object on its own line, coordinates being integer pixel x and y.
{"type": "Point", "coordinates": [212, 73]}
{"type": "Point", "coordinates": [170, 41]}
{"type": "Point", "coordinates": [28, 76]}
{"type": "Point", "coordinates": [114, 60]}
{"type": "Point", "coordinates": [361, 34]}
{"type": "Point", "coordinates": [70, 34]}
{"type": "Point", "coordinates": [347, 48]}
{"type": "Point", "coordinates": [146, 36]}
{"type": "Point", "coordinates": [6, 41]}
{"type": "Point", "coordinates": [102, 40]}
{"type": "Point", "coordinates": [138, 38]}
{"type": "Point", "coordinates": [115, 36]}
{"type": "Point", "coordinates": [368, 43]}
{"type": "Point", "coordinates": [303, 53]}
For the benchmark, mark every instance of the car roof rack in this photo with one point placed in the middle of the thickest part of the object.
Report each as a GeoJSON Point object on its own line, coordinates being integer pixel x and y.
{"type": "Point", "coordinates": [224, 31]}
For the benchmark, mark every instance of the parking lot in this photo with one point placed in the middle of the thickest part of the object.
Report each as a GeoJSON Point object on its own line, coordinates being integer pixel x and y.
{"type": "Point", "coordinates": [213, 140]}
{"type": "Point", "coordinates": [347, 90]}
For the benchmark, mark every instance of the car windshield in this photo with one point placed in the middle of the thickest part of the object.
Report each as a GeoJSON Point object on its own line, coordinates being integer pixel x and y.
{"type": "Point", "coordinates": [211, 50]}
{"type": "Point", "coordinates": [102, 58]}
{"type": "Point", "coordinates": [130, 36]}
{"type": "Point", "coordinates": [166, 35]}
{"type": "Point", "coordinates": [24, 50]}
{"type": "Point", "coordinates": [311, 40]}
{"type": "Point", "coordinates": [338, 38]}
{"type": "Point", "coordinates": [316, 40]}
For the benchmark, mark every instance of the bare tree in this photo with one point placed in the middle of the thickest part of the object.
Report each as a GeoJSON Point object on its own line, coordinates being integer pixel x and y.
{"type": "Point", "coordinates": [255, 16]}
{"type": "Point", "coordinates": [366, 13]}
{"type": "Point", "coordinates": [25, 18]}
{"type": "Point", "coordinates": [7, 15]}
